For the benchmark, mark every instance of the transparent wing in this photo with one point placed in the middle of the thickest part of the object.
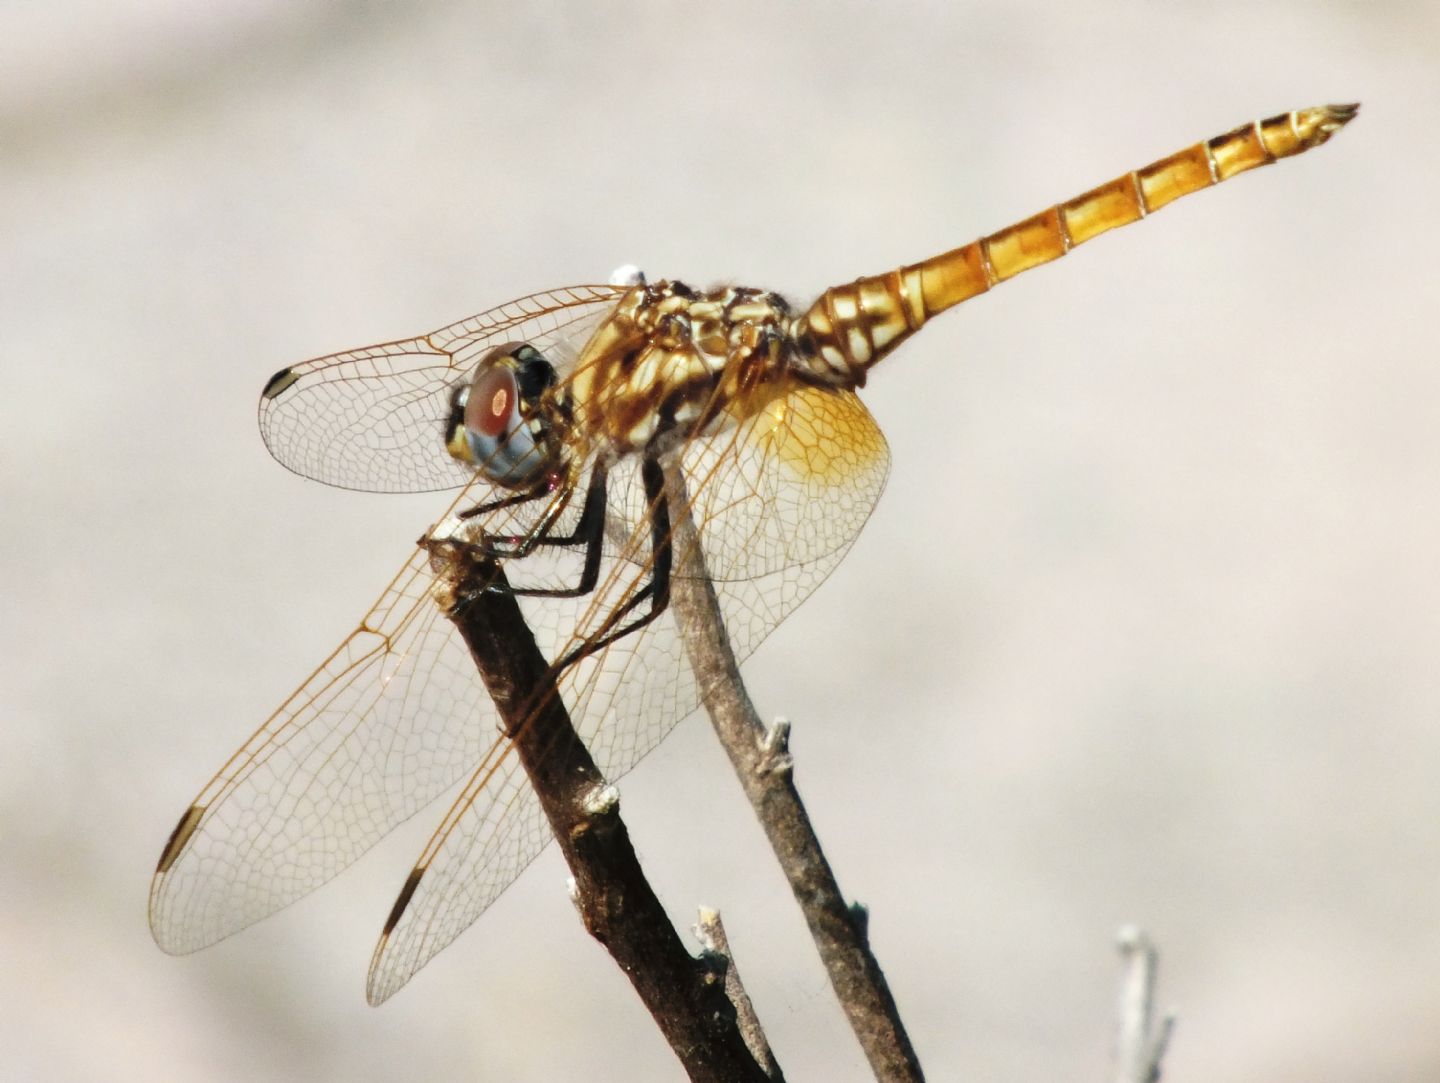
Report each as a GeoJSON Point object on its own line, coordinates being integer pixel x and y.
{"type": "Point", "coordinates": [373, 418]}
{"type": "Point", "coordinates": [778, 500]}
{"type": "Point", "coordinates": [384, 726]}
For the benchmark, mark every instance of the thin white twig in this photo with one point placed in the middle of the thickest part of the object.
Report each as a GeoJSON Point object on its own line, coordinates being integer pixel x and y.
{"type": "Point", "coordinates": [764, 768]}
{"type": "Point", "coordinates": [1140, 1044]}
{"type": "Point", "coordinates": [710, 931]}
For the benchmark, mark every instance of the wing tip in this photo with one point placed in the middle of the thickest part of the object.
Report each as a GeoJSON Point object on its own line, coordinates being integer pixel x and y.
{"type": "Point", "coordinates": [376, 990]}
{"type": "Point", "coordinates": [280, 383]}
{"type": "Point", "coordinates": [402, 900]}
{"type": "Point", "coordinates": [179, 837]}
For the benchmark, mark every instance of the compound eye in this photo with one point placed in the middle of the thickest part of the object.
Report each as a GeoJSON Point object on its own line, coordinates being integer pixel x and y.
{"type": "Point", "coordinates": [493, 408]}
{"type": "Point", "coordinates": [488, 428]}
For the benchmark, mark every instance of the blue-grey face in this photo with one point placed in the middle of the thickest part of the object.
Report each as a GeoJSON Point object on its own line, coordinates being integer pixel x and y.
{"type": "Point", "coordinates": [494, 423]}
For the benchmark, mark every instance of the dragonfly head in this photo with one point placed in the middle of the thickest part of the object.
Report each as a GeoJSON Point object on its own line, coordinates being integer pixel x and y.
{"type": "Point", "coordinates": [496, 423]}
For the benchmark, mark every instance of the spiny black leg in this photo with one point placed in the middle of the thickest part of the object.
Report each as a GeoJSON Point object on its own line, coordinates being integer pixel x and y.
{"type": "Point", "coordinates": [502, 547]}
{"type": "Point", "coordinates": [591, 531]}
{"type": "Point", "coordinates": [519, 546]}
{"type": "Point", "coordinates": [505, 502]}
{"type": "Point", "coordinates": [657, 589]}
{"type": "Point", "coordinates": [591, 527]}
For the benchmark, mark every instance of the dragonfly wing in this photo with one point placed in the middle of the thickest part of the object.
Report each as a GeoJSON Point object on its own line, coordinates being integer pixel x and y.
{"type": "Point", "coordinates": [496, 826]}
{"type": "Point", "coordinates": [385, 725]}
{"type": "Point", "coordinates": [492, 832]}
{"type": "Point", "coordinates": [791, 489]}
{"type": "Point", "coordinates": [374, 418]}
{"type": "Point", "coordinates": [778, 501]}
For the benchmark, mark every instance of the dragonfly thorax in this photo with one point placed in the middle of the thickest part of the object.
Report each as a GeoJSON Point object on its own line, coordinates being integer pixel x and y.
{"type": "Point", "coordinates": [670, 363]}
{"type": "Point", "coordinates": [496, 421]}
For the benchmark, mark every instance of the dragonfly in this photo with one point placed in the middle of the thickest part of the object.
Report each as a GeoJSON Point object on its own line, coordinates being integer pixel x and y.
{"type": "Point", "coordinates": [552, 415]}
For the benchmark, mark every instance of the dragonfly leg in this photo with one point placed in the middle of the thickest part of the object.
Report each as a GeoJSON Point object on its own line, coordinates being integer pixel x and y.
{"type": "Point", "coordinates": [589, 531]}
{"type": "Point", "coordinates": [518, 546]}
{"type": "Point", "coordinates": [657, 590]}
{"type": "Point", "coordinates": [504, 502]}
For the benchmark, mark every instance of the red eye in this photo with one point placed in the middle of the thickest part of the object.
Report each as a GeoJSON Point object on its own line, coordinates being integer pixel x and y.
{"type": "Point", "coordinates": [491, 409]}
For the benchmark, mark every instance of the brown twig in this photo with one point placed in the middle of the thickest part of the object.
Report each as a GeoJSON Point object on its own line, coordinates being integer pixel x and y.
{"type": "Point", "coordinates": [685, 995]}
{"type": "Point", "coordinates": [762, 762]}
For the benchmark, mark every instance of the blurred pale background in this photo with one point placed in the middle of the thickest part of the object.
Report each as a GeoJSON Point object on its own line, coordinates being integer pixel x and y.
{"type": "Point", "coordinates": [1143, 630]}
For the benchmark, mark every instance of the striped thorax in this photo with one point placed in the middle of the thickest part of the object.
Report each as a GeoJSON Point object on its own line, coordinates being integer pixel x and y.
{"type": "Point", "coordinates": [671, 362]}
